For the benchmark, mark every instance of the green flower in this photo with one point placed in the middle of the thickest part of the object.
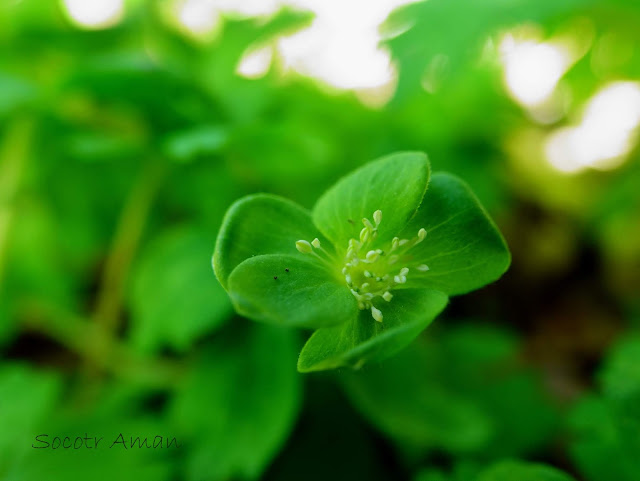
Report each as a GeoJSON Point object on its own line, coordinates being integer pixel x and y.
{"type": "Point", "coordinates": [369, 268]}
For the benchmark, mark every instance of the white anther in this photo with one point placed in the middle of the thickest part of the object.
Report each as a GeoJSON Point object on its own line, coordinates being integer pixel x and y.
{"type": "Point", "coordinates": [364, 286]}
{"type": "Point", "coordinates": [372, 256]}
{"type": "Point", "coordinates": [422, 233]}
{"type": "Point", "coordinates": [376, 313]}
{"type": "Point", "coordinates": [423, 268]}
{"type": "Point", "coordinates": [404, 271]}
{"type": "Point", "coordinates": [316, 243]}
{"type": "Point", "coordinates": [387, 296]}
{"type": "Point", "coordinates": [367, 274]}
{"type": "Point", "coordinates": [304, 246]}
{"type": "Point", "coordinates": [403, 242]}
{"type": "Point", "coordinates": [394, 243]}
{"type": "Point", "coordinates": [344, 271]}
{"type": "Point", "coordinates": [377, 217]}
{"type": "Point", "coordinates": [367, 223]}
{"type": "Point", "coordinates": [348, 279]}
{"type": "Point", "coordinates": [364, 235]}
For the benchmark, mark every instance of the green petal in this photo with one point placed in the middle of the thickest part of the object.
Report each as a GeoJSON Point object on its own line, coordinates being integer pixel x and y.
{"type": "Point", "coordinates": [463, 249]}
{"type": "Point", "coordinates": [308, 295]}
{"type": "Point", "coordinates": [260, 224]}
{"type": "Point", "coordinates": [363, 339]}
{"type": "Point", "coordinates": [394, 184]}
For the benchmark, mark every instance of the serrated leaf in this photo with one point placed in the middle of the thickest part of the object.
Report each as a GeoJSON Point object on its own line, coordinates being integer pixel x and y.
{"type": "Point", "coordinates": [394, 184]}
{"type": "Point", "coordinates": [463, 248]}
{"type": "Point", "coordinates": [401, 398]}
{"type": "Point", "coordinates": [364, 340]}
{"type": "Point", "coordinates": [249, 392]}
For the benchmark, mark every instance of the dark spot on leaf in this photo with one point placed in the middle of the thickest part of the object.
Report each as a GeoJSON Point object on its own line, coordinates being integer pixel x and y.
{"type": "Point", "coordinates": [350, 221]}
{"type": "Point", "coordinates": [287, 269]}
{"type": "Point", "coordinates": [275, 278]}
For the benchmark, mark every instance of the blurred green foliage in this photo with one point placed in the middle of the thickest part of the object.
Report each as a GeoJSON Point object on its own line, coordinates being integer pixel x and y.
{"type": "Point", "coordinates": [120, 151]}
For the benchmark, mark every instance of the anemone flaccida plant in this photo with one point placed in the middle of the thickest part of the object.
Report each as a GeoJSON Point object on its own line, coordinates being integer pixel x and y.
{"type": "Point", "coordinates": [371, 265]}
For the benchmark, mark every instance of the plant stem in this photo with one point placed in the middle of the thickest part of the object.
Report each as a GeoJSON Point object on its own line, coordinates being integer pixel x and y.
{"type": "Point", "coordinates": [14, 153]}
{"type": "Point", "coordinates": [84, 338]}
{"type": "Point", "coordinates": [125, 244]}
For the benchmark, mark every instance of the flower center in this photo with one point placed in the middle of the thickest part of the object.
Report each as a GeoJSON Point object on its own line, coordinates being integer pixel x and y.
{"type": "Point", "coordinates": [371, 273]}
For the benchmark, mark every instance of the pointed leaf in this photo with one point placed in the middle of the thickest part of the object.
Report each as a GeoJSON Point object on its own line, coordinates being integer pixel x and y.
{"type": "Point", "coordinates": [463, 248]}
{"type": "Point", "coordinates": [260, 224]}
{"type": "Point", "coordinates": [363, 339]}
{"type": "Point", "coordinates": [308, 295]}
{"type": "Point", "coordinates": [394, 184]}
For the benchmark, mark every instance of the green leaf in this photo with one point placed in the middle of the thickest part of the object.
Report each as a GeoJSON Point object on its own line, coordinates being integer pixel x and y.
{"type": "Point", "coordinates": [175, 297]}
{"type": "Point", "coordinates": [606, 443]}
{"type": "Point", "coordinates": [307, 295]}
{"type": "Point", "coordinates": [27, 398]}
{"type": "Point", "coordinates": [620, 376]}
{"type": "Point", "coordinates": [239, 403]}
{"type": "Point", "coordinates": [117, 410]}
{"type": "Point", "coordinates": [363, 339]}
{"type": "Point", "coordinates": [460, 390]}
{"type": "Point", "coordinates": [260, 224]}
{"type": "Point", "coordinates": [522, 471]}
{"type": "Point", "coordinates": [394, 184]}
{"type": "Point", "coordinates": [463, 248]}
{"type": "Point", "coordinates": [403, 400]}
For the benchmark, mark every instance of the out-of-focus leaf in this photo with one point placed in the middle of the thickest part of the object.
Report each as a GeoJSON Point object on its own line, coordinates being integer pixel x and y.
{"type": "Point", "coordinates": [27, 398]}
{"type": "Point", "coordinates": [460, 391]}
{"type": "Point", "coordinates": [127, 445]}
{"type": "Point", "coordinates": [175, 297]}
{"type": "Point", "coordinates": [239, 403]}
{"type": "Point", "coordinates": [522, 471]}
{"type": "Point", "coordinates": [607, 427]}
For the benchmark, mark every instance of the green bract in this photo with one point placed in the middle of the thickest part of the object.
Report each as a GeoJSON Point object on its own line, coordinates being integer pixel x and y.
{"type": "Point", "coordinates": [369, 268]}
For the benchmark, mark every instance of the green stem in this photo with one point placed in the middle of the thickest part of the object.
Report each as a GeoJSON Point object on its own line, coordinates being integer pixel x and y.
{"type": "Point", "coordinates": [14, 153]}
{"type": "Point", "coordinates": [125, 244]}
{"type": "Point", "coordinates": [85, 338]}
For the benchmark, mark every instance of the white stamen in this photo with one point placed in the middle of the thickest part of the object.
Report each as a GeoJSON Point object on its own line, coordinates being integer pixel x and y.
{"type": "Point", "coordinates": [304, 246]}
{"type": "Point", "coordinates": [403, 242]}
{"type": "Point", "coordinates": [422, 233]}
{"type": "Point", "coordinates": [377, 315]}
{"type": "Point", "coordinates": [366, 274]}
{"type": "Point", "coordinates": [423, 268]}
{"type": "Point", "coordinates": [316, 243]}
{"type": "Point", "coordinates": [404, 271]}
{"type": "Point", "coordinates": [367, 223]}
{"type": "Point", "coordinates": [364, 235]}
{"type": "Point", "coordinates": [364, 286]}
{"type": "Point", "coordinates": [387, 296]}
{"type": "Point", "coordinates": [372, 256]}
{"type": "Point", "coordinates": [377, 217]}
